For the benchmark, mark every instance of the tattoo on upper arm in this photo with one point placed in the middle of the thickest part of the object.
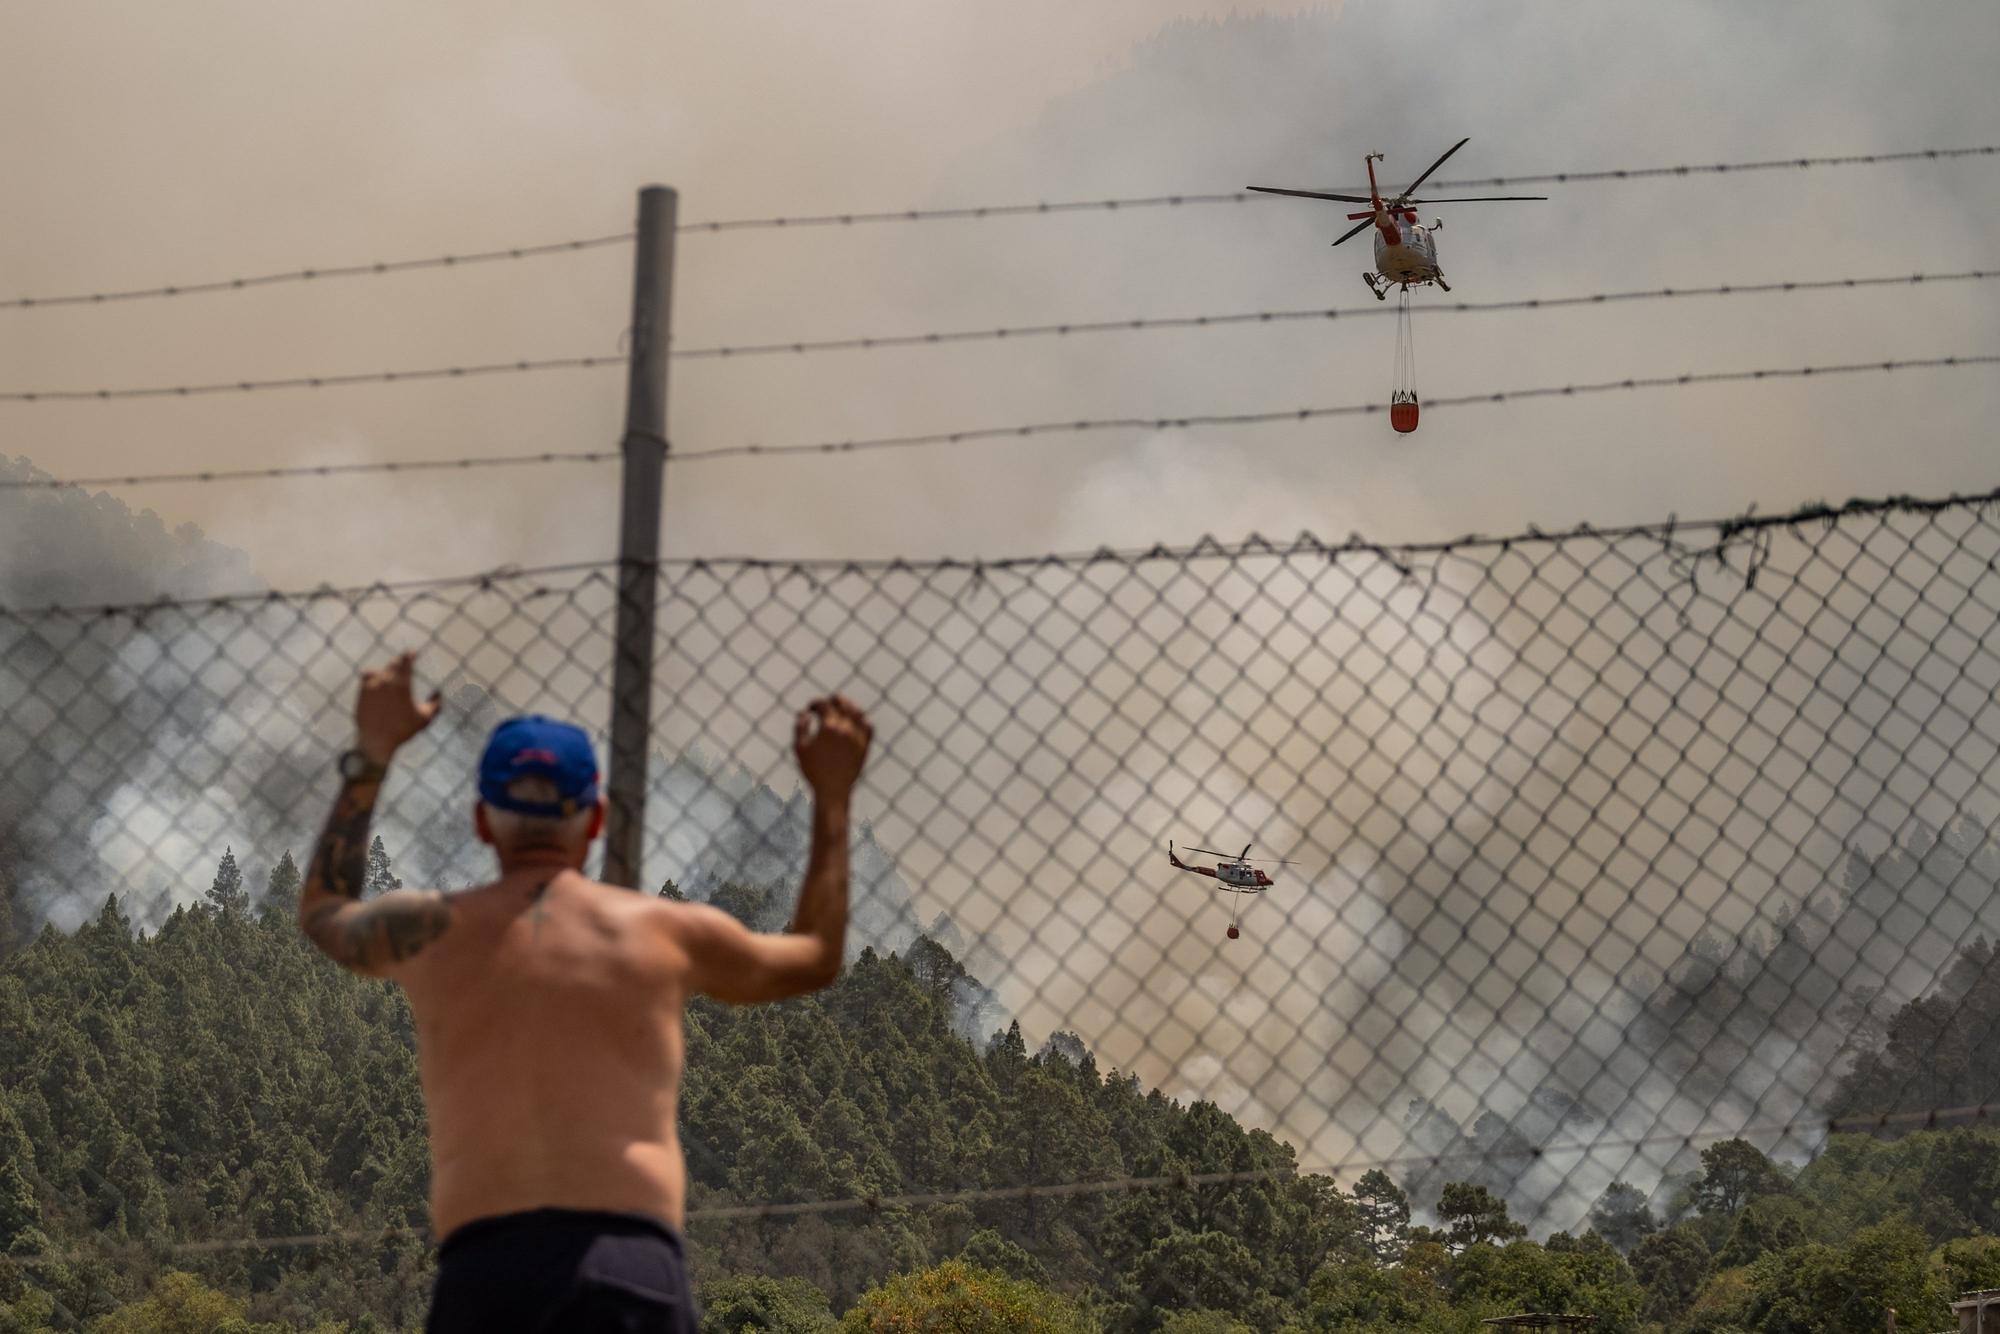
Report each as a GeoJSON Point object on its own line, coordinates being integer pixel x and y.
{"type": "Point", "coordinates": [340, 862]}
{"type": "Point", "coordinates": [388, 930]}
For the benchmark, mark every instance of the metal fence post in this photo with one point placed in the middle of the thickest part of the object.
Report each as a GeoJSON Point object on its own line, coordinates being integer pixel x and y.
{"type": "Point", "coordinates": [645, 449]}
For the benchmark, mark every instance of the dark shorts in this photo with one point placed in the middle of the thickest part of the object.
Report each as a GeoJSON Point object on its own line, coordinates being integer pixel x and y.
{"type": "Point", "coordinates": [573, 1270]}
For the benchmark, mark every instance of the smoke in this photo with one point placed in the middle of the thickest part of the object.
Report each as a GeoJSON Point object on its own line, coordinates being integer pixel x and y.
{"type": "Point", "coordinates": [146, 743]}
{"type": "Point", "coordinates": [1529, 793]}
{"type": "Point", "coordinates": [80, 676]}
{"type": "Point", "coordinates": [1528, 788]}
{"type": "Point", "coordinates": [1518, 816]}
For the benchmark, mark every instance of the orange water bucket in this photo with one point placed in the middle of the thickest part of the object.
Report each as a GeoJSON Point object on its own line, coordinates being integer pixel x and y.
{"type": "Point", "coordinates": [1403, 412]}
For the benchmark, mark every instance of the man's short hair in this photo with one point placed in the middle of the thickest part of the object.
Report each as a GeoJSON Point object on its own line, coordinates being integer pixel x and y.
{"type": "Point", "coordinates": [514, 831]}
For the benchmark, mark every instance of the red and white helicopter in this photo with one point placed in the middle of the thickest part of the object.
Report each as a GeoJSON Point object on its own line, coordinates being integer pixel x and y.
{"type": "Point", "coordinates": [1405, 252]}
{"type": "Point", "coordinates": [1232, 875]}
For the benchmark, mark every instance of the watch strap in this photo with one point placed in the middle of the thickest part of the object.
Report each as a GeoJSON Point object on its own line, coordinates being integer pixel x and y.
{"type": "Point", "coordinates": [356, 767]}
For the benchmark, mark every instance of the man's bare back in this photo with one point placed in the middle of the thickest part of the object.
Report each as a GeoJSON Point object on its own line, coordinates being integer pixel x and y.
{"type": "Point", "coordinates": [549, 1038]}
{"type": "Point", "coordinates": [548, 1011]}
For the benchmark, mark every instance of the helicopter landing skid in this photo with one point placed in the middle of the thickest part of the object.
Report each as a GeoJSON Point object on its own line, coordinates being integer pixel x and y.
{"type": "Point", "coordinates": [1377, 284]}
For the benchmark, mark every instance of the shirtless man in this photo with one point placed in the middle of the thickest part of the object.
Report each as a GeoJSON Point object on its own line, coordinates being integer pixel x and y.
{"type": "Point", "coordinates": [548, 1016]}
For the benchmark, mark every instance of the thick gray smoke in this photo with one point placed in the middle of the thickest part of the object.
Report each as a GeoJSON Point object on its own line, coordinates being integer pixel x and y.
{"type": "Point", "coordinates": [1578, 825]}
{"type": "Point", "coordinates": [67, 680]}
{"type": "Point", "coordinates": [1529, 805]}
{"type": "Point", "coordinates": [140, 745]}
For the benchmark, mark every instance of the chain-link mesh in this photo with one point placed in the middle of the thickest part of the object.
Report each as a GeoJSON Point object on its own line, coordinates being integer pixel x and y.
{"type": "Point", "coordinates": [1604, 846]}
{"type": "Point", "coordinates": [142, 741]}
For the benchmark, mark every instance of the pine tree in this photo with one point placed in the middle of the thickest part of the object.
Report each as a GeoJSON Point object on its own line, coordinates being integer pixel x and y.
{"type": "Point", "coordinates": [1473, 1214]}
{"type": "Point", "coordinates": [227, 893]}
{"type": "Point", "coordinates": [1385, 1214]}
{"type": "Point", "coordinates": [11, 923]}
{"type": "Point", "coordinates": [281, 890]}
{"type": "Point", "coordinates": [1007, 1056]}
{"type": "Point", "coordinates": [1733, 1174]}
{"type": "Point", "coordinates": [20, 1212]}
{"type": "Point", "coordinates": [381, 878]}
{"type": "Point", "coordinates": [1622, 1217]}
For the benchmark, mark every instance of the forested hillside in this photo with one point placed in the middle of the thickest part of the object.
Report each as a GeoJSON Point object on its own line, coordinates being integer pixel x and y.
{"type": "Point", "coordinates": [1853, 1000]}
{"type": "Point", "coordinates": [165, 1095]}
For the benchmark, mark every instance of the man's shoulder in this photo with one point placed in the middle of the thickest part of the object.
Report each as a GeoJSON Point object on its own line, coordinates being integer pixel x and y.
{"type": "Point", "coordinates": [629, 904]}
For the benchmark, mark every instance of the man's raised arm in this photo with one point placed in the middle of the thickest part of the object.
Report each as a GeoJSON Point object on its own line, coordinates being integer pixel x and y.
{"type": "Point", "coordinates": [731, 963]}
{"type": "Point", "coordinates": [369, 938]}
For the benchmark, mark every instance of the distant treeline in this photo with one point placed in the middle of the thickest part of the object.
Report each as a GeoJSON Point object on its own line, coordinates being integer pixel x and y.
{"type": "Point", "coordinates": [216, 1079]}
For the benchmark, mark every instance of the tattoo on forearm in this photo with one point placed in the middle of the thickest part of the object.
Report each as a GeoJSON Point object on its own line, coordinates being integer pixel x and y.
{"type": "Point", "coordinates": [340, 862]}
{"type": "Point", "coordinates": [389, 930]}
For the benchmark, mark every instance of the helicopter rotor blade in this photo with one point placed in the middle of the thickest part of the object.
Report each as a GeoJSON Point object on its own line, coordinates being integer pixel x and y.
{"type": "Point", "coordinates": [1356, 230]}
{"type": "Point", "coordinates": [1211, 852]}
{"type": "Point", "coordinates": [1433, 167]}
{"type": "Point", "coordinates": [1311, 194]}
{"type": "Point", "coordinates": [1470, 199]}
{"type": "Point", "coordinates": [1246, 853]}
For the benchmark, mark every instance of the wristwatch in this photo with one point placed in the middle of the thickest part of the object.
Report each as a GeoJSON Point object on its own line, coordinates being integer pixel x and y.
{"type": "Point", "coordinates": [358, 768]}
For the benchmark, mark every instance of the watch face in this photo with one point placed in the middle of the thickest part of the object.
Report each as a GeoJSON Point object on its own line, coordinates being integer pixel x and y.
{"type": "Point", "coordinates": [353, 764]}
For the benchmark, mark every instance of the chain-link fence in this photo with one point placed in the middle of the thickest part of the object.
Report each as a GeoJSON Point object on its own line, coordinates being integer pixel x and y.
{"type": "Point", "coordinates": [1603, 846]}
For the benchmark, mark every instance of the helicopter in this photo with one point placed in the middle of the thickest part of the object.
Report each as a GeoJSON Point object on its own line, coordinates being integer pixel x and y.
{"type": "Point", "coordinates": [1405, 252]}
{"type": "Point", "coordinates": [1232, 875]}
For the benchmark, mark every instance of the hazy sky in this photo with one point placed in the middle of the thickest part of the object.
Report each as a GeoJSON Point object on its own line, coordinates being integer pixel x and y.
{"type": "Point", "coordinates": [206, 139]}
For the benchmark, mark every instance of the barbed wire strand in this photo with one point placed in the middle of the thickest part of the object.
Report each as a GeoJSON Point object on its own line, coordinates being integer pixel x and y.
{"type": "Point", "coordinates": [938, 338]}
{"type": "Point", "coordinates": [312, 381]}
{"type": "Point", "coordinates": [1929, 1118]}
{"type": "Point", "coordinates": [1319, 313]}
{"type": "Point", "coordinates": [313, 470]}
{"type": "Point", "coordinates": [1313, 413]}
{"type": "Point", "coordinates": [1238, 197]}
{"type": "Point", "coordinates": [309, 275]}
{"type": "Point", "coordinates": [325, 592]}
{"type": "Point", "coordinates": [1728, 528]}
{"type": "Point", "coordinates": [971, 212]}
{"type": "Point", "coordinates": [1088, 425]}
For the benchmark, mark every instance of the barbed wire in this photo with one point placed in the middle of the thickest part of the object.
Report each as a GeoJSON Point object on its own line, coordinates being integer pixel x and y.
{"type": "Point", "coordinates": [1728, 528]}
{"type": "Point", "coordinates": [960, 213]}
{"type": "Point", "coordinates": [1318, 313]}
{"type": "Point", "coordinates": [1826, 1126]}
{"type": "Point", "coordinates": [328, 592]}
{"type": "Point", "coordinates": [1088, 425]}
{"type": "Point", "coordinates": [311, 381]}
{"type": "Point", "coordinates": [312, 470]}
{"type": "Point", "coordinates": [942, 337]}
{"type": "Point", "coordinates": [472, 462]}
{"type": "Point", "coordinates": [1238, 197]}
{"type": "Point", "coordinates": [309, 275]}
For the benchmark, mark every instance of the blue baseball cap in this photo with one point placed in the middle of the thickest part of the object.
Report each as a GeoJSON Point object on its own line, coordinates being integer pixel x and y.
{"type": "Point", "coordinates": [538, 747]}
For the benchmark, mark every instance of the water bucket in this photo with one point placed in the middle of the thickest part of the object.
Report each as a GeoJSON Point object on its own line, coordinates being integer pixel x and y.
{"type": "Point", "coordinates": [1403, 412]}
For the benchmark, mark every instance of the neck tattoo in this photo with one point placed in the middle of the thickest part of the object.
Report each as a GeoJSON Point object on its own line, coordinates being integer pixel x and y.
{"type": "Point", "coordinates": [539, 910]}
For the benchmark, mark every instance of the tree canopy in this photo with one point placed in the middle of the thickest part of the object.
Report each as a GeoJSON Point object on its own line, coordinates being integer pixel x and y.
{"type": "Point", "coordinates": [169, 1095]}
